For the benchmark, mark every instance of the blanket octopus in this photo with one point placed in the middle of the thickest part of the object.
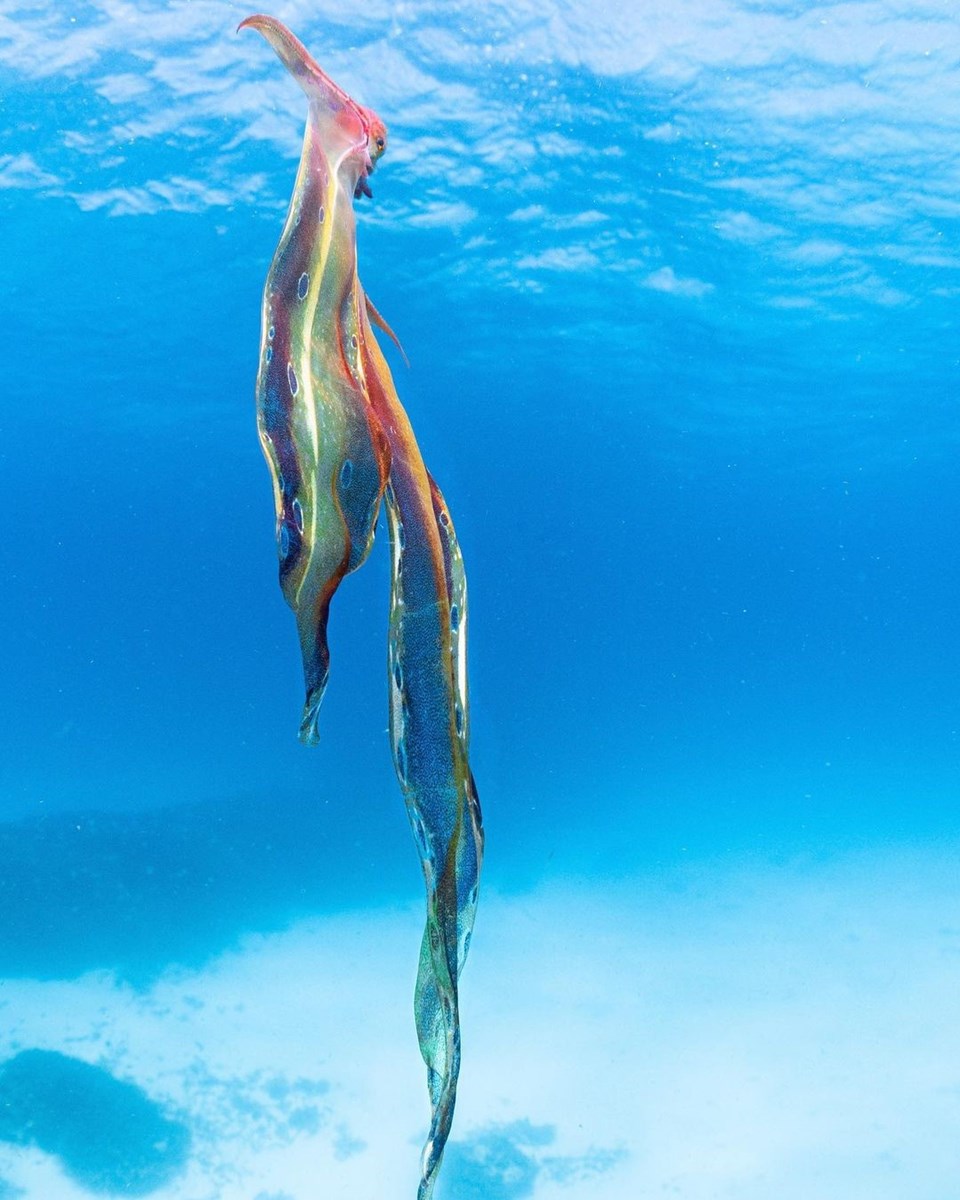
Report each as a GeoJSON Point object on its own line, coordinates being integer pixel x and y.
{"type": "Point", "coordinates": [339, 446]}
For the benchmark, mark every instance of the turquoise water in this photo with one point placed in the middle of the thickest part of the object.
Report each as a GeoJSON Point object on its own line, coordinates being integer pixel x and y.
{"type": "Point", "coordinates": [678, 289]}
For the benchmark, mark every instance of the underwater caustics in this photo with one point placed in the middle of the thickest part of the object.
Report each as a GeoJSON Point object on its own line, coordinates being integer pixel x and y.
{"type": "Point", "coordinates": [338, 444]}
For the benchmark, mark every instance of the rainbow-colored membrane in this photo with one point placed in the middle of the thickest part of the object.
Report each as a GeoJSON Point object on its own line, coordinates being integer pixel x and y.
{"type": "Point", "coordinates": [337, 440]}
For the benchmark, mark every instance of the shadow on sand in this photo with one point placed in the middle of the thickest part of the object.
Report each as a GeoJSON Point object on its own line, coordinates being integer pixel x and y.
{"type": "Point", "coordinates": [135, 892]}
{"type": "Point", "coordinates": [108, 1135]}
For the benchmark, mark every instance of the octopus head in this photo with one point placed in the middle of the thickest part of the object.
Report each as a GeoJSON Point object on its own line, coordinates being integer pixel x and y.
{"type": "Point", "coordinates": [376, 133]}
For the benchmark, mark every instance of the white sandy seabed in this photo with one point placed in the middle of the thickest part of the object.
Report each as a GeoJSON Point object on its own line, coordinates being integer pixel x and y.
{"type": "Point", "coordinates": [709, 1033]}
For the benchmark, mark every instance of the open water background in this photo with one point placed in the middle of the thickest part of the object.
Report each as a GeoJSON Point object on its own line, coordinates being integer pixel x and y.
{"type": "Point", "coordinates": [679, 289]}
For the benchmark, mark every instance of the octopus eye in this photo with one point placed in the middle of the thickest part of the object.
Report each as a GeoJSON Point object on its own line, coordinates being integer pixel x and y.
{"type": "Point", "coordinates": [380, 143]}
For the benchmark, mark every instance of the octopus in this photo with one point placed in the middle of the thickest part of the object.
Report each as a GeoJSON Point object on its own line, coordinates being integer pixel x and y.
{"type": "Point", "coordinates": [340, 448]}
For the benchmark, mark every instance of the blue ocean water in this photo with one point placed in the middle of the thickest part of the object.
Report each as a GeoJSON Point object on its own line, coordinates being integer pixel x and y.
{"type": "Point", "coordinates": [678, 285]}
